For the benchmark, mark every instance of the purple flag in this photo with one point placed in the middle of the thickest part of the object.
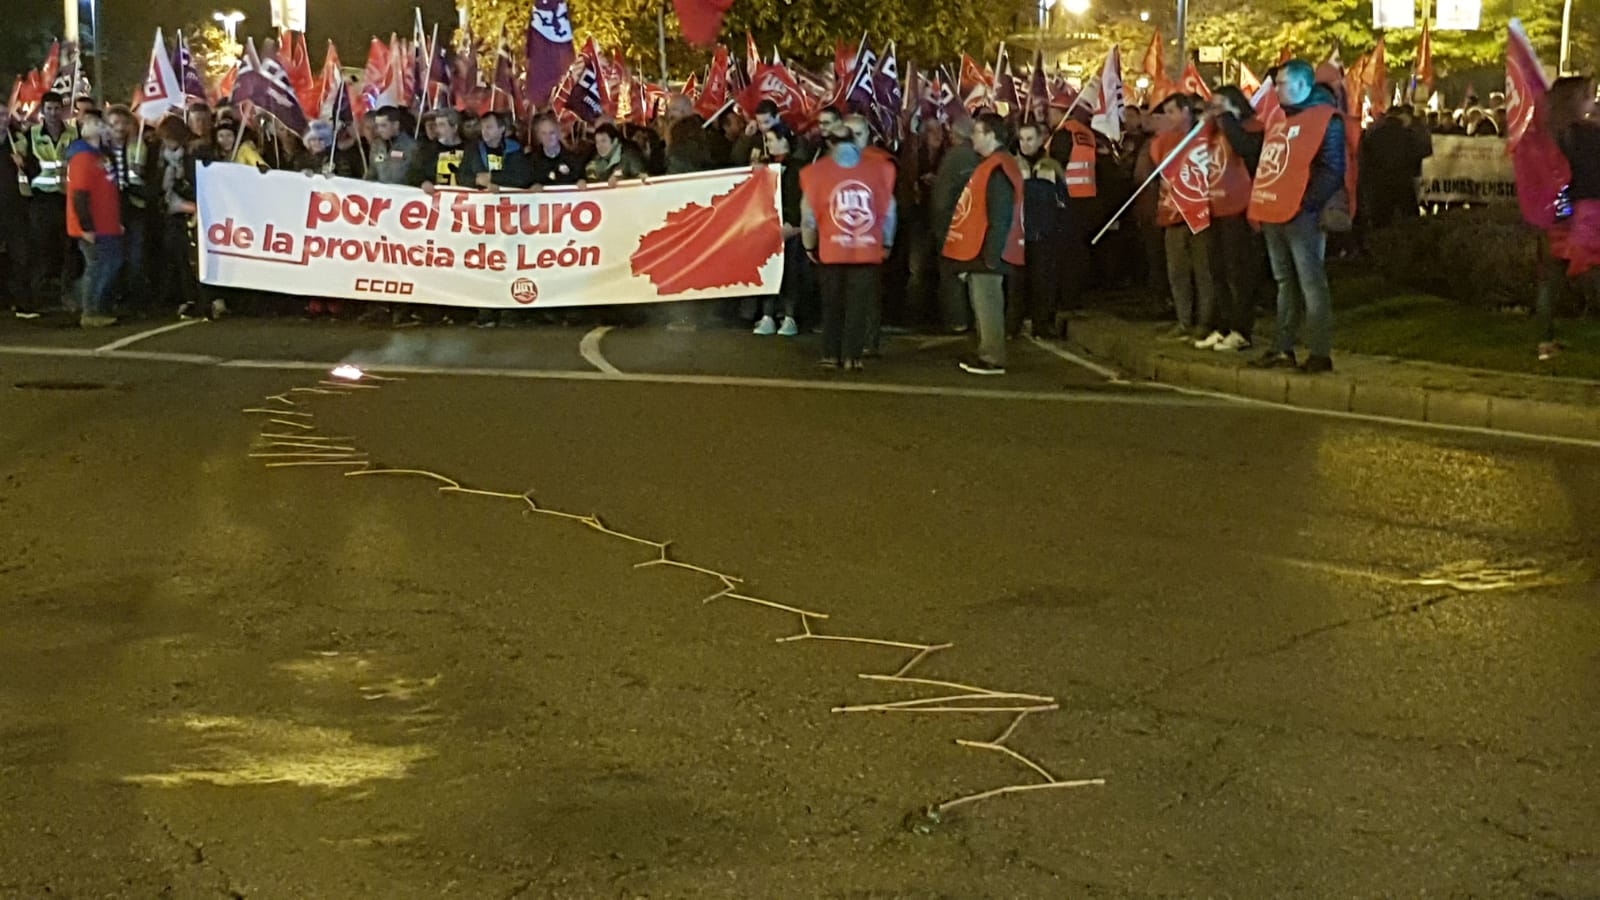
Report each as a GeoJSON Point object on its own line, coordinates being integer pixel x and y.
{"type": "Point", "coordinates": [863, 92]}
{"type": "Point", "coordinates": [584, 100]}
{"type": "Point", "coordinates": [267, 88]}
{"type": "Point", "coordinates": [440, 95]}
{"type": "Point", "coordinates": [183, 64]}
{"type": "Point", "coordinates": [549, 49]}
{"type": "Point", "coordinates": [889, 96]}
{"type": "Point", "coordinates": [1005, 84]}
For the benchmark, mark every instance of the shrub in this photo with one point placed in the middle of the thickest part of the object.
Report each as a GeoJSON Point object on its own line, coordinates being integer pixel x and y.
{"type": "Point", "coordinates": [1484, 256]}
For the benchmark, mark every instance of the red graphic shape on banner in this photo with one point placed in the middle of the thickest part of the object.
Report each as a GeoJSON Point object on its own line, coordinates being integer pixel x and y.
{"type": "Point", "coordinates": [720, 245]}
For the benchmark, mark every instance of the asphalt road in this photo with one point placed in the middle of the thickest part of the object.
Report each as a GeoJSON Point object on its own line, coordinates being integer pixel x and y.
{"type": "Point", "coordinates": [1289, 655]}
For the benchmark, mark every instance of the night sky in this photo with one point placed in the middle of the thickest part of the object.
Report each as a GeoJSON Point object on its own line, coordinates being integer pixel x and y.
{"type": "Point", "coordinates": [129, 25]}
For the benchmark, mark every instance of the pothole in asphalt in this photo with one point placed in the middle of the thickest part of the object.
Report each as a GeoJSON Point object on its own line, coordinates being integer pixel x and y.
{"type": "Point", "coordinates": [49, 385]}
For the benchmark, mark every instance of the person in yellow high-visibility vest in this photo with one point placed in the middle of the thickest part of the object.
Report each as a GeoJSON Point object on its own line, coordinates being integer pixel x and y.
{"type": "Point", "coordinates": [54, 261]}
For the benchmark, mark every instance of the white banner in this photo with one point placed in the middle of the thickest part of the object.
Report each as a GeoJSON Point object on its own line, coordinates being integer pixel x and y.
{"type": "Point", "coordinates": [1468, 170]}
{"type": "Point", "coordinates": [1457, 15]}
{"type": "Point", "coordinates": [687, 237]}
{"type": "Point", "coordinates": [1394, 13]}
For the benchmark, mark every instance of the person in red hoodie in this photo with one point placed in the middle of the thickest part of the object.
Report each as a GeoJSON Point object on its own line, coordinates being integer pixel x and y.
{"type": "Point", "coordinates": [94, 217]}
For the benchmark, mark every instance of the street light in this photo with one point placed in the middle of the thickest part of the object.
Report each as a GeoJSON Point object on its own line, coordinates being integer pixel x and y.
{"type": "Point", "coordinates": [1144, 15]}
{"type": "Point", "coordinates": [230, 23]}
{"type": "Point", "coordinates": [1075, 7]}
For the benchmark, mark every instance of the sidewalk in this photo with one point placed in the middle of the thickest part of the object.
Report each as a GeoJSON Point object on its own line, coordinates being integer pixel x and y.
{"type": "Point", "coordinates": [1371, 385]}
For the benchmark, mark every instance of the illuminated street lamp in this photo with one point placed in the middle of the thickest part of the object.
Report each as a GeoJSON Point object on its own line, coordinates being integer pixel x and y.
{"type": "Point", "coordinates": [1144, 15]}
{"type": "Point", "coordinates": [1075, 7]}
{"type": "Point", "coordinates": [230, 23]}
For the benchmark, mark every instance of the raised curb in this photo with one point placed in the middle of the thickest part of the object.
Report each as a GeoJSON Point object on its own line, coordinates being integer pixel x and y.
{"type": "Point", "coordinates": [1126, 345]}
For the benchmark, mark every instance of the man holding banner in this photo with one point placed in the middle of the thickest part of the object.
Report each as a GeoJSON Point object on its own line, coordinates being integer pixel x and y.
{"type": "Point", "coordinates": [1302, 166]}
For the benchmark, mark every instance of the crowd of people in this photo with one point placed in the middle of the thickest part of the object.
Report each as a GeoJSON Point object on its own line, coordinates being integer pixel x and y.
{"type": "Point", "coordinates": [977, 224]}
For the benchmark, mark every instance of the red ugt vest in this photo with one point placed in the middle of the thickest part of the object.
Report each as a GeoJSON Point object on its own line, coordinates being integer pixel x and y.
{"type": "Point", "coordinates": [851, 206]}
{"type": "Point", "coordinates": [1285, 168]}
{"type": "Point", "coordinates": [970, 224]}
{"type": "Point", "coordinates": [1080, 163]}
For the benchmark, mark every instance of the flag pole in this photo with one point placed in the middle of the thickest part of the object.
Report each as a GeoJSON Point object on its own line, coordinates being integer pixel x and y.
{"type": "Point", "coordinates": [1187, 139]}
{"type": "Point", "coordinates": [661, 39]}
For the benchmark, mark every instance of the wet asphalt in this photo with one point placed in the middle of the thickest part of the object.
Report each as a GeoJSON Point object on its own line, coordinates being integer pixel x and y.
{"type": "Point", "coordinates": [1291, 655]}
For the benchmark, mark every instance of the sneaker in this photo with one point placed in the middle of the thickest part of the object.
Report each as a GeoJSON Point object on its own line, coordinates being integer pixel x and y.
{"type": "Point", "coordinates": [1548, 350]}
{"type": "Point", "coordinates": [766, 326]}
{"type": "Point", "coordinates": [1316, 365]}
{"type": "Point", "coordinates": [828, 362]}
{"type": "Point", "coordinates": [1272, 359]}
{"type": "Point", "coordinates": [219, 308]}
{"type": "Point", "coordinates": [853, 365]}
{"type": "Point", "coordinates": [1233, 343]}
{"type": "Point", "coordinates": [790, 327]}
{"type": "Point", "coordinates": [1210, 341]}
{"type": "Point", "coordinates": [189, 311]}
{"type": "Point", "coordinates": [978, 366]}
{"type": "Point", "coordinates": [88, 321]}
{"type": "Point", "coordinates": [24, 313]}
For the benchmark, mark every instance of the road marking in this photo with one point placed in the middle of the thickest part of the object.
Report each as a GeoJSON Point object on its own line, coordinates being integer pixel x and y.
{"type": "Point", "coordinates": [1103, 371]}
{"type": "Point", "coordinates": [1195, 397]}
{"type": "Point", "coordinates": [132, 339]}
{"type": "Point", "coordinates": [589, 349]}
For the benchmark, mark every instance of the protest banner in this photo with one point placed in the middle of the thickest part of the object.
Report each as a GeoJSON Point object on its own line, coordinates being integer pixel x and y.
{"type": "Point", "coordinates": [1468, 170]}
{"type": "Point", "coordinates": [712, 234]}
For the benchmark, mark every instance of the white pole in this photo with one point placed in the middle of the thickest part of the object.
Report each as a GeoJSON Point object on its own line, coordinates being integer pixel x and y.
{"type": "Point", "coordinates": [1153, 176]}
{"type": "Point", "coordinates": [1565, 64]}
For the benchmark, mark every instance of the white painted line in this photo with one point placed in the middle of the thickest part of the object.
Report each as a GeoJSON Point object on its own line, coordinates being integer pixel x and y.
{"type": "Point", "coordinates": [589, 349]}
{"type": "Point", "coordinates": [132, 339]}
{"type": "Point", "coordinates": [1197, 398]}
{"type": "Point", "coordinates": [1063, 353]}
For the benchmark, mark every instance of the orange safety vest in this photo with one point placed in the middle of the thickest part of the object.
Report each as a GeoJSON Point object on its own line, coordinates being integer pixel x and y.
{"type": "Point", "coordinates": [1230, 179]}
{"type": "Point", "coordinates": [970, 224]}
{"type": "Point", "coordinates": [1185, 182]}
{"type": "Point", "coordinates": [1285, 168]}
{"type": "Point", "coordinates": [851, 206]}
{"type": "Point", "coordinates": [1081, 161]}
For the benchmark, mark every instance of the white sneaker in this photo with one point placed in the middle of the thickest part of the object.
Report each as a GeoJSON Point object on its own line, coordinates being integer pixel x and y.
{"type": "Point", "coordinates": [219, 308]}
{"type": "Point", "coordinates": [766, 326]}
{"type": "Point", "coordinates": [1209, 341]}
{"type": "Point", "coordinates": [790, 327]}
{"type": "Point", "coordinates": [1233, 343]}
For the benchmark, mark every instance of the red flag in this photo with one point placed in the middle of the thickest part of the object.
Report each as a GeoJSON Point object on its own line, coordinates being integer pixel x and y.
{"type": "Point", "coordinates": [976, 86]}
{"type": "Point", "coordinates": [1248, 82]}
{"type": "Point", "coordinates": [778, 84]}
{"type": "Point", "coordinates": [691, 88]}
{"type": "Point", "coordinates": [1422, 72]}
{"type": "Point", "coordinates": [1193, 83]}
{"type": "Point", "coordinates": [1185, 180]}
{"type": "Point", "coordinates": [1377, 80]}
{"type": "Point", "coordinates": [225, 86]}
{"type": "Point", "coordinates": [1155, 66]}
{"type": "Point", "coordinates": [292, 54]}
{"type": "Point", "coordinates": [1525, 84]}
{"type": "Point", "coordinates": [1354, 87]}
{"type": "Point", "coordinates": [1286, 54]}
{"type": "Point", "coordinates": [333, 90]}
{"type": "Point", "coordinates": [377, 83]}
{"type": "Point", "coordinates": [701, 19]}
{"type": "Point", "coordinates": [52, 67]}
{"type": "Point", "coordinates": [715, 93]}
{"type": "Point", "coordinates": [752, 56]}
{"type": "Point", "coordinates": [1109, 101]}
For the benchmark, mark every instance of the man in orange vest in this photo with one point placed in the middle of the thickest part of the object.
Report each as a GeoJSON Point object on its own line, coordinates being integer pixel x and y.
{"type": "Point", "coordinates": [1183, 212]}
{"type": "Point", "coordinates": [985, 240]}
{"type": "Point", "coordinates": [1302, 166]}
{"type": "Point", "coordinates": [847, 223]}
{"type": "Point", "coordinates": [1078, 149]}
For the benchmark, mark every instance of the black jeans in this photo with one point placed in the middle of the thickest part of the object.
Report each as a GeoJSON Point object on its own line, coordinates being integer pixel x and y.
{"type": "Point", "coordinates": [848, 294]}
{"type": "Point", "coordinates": [1238, 257]}
{"type": "Point", "coordinates": [54, 259]}
{"type": "Point", "coordinates": [1035, 289]}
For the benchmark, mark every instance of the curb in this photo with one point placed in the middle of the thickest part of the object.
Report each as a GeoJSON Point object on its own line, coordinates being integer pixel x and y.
{"type": "Point", "coordinates": [1113, 339]}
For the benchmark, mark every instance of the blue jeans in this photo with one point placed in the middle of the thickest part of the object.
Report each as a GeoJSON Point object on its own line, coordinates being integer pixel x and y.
{"type": "Point", "coordinates": [1296, 249]}
{"type": "Point", "coordinates": [102, 263]}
